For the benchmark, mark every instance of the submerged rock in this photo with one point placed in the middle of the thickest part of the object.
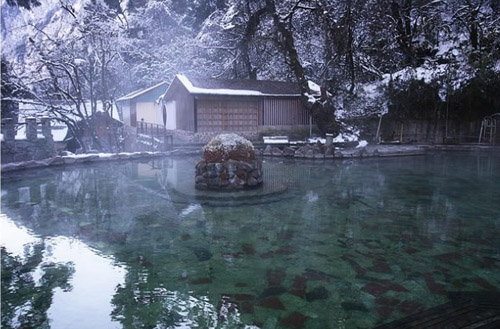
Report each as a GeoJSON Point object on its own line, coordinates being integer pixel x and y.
{"type": "Point", "coordinates": [272, 303]}
{"type": "Point", "coordinates": [202, 254]}
{"type": "Point", "coordinates": [273, 291]}
{"type": "Point", "coordinates": [275, 276]}
{"type": "Point", "coordinates": [354, 306]}
{"type": "Point", "coordinates": [317, 293]}
{"type": "Point", "coordinates": [200, 281]}
{"type": "Point", "coordinates": [294, 320]}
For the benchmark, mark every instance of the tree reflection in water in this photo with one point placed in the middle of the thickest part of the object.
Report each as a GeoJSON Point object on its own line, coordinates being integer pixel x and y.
{"type": "Point", "coordinates": [25, 300]}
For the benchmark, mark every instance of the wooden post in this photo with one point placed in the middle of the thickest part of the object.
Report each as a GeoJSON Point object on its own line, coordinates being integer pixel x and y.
{"type": "Point", "coordinates": [377, 137]}
{"type": "Point", "coordinates": [310, 126]}
{"type": "Point", "coordinates": [481, 132]}
{"type": "Point", "coordinates": [164, 138]}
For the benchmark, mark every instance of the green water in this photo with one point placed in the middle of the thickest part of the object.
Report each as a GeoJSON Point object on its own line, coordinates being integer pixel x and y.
{"type": "Point", "coordinates": [334, 244]}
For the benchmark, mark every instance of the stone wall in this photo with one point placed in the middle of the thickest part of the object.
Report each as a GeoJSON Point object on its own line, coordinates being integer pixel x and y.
{"type": "Point", "coordinates": [297, 132]}
{"type": "Point", "coordinates": [31, 148]}
{"type": "Point", "coordinates": [228, 175]}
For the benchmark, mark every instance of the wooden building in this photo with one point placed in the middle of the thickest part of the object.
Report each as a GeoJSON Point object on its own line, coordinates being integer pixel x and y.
{"type": "Point", "coordinates": [201, 105]}
{"type": "Point", "coordinates": [142, 105]}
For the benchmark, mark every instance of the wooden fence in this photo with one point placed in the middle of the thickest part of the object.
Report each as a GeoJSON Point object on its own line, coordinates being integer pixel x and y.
{"type": "Point", "coordinates": [158, 134]}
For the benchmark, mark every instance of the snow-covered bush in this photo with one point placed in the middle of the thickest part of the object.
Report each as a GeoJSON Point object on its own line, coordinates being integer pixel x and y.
{"type": "Point", "coordinates": [225, 147]}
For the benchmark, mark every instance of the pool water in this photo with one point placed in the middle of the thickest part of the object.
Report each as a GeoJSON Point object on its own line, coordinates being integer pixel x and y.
{"type": "Point", "coordinates": [334, 244]}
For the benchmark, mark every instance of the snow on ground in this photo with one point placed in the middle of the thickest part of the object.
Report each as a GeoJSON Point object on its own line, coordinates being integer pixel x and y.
{"type": "Point", "coordinates": [346, 137]}
{"type": "Point", "coordinates": [342, 138]}
{"type": "Point", "coordinates": [69, 155]}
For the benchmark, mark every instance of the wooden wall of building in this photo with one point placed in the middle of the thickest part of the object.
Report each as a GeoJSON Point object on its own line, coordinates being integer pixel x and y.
{"type": "Point", "coordinates": [284, 111]}
{"type": "Point", "coordinates": [227, 114]}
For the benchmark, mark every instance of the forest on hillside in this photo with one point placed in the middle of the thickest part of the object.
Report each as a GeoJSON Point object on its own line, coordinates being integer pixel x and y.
{"type": "Point", "coordinates": [411, 58]}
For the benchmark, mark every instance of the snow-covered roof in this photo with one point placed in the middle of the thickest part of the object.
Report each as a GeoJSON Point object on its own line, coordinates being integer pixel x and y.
{"type": "Point", "coordinates": [141, 92]}
{"type": "Point", "coordinates": [206, 86]}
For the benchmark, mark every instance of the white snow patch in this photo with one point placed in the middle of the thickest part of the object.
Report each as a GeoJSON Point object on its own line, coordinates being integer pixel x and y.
{"type": "Point", "coordinates": [347, 136]}
{"type": "Point", "coordinates": [314, 87]}
{"type": "Point", "coordinates": [428, 73]}
{"type": "Point", "coordinates": [420, 73]}
{"type": "Point", "coordinates": [311, 196]}
{"type": "Point", "coordinates": [340, 113]}
{"type": "Point", "coordinates": [496, 68]}
{"type": "Point", "coordinates": [362, 143]}
{"type": "Point", "coordinates": [310, 98]}
{"type": "Point", "coordinates": [372, 90]}
{"type": "Point", "coordinates": [316, 140]}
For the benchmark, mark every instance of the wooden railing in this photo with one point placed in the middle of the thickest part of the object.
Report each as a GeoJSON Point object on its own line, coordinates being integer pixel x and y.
{"type": "Point", "coordinates": [158, 134]}
{"type": "Point", "coordinates": [150, 129]}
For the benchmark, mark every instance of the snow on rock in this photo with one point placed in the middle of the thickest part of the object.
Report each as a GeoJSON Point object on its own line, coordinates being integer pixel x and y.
{"type": "Point", "coordinates": [316, 140]}
{"type": "Point", "coordinates": [315, 92]}
{"type": "Point", "coordinates": [224, 147]}
{"type": "Point", "coordinates": [427, 74]}
{"type": "Point", "coordinates": [362, 143]}
{"type": "Point", "coordinates": [227, 142]}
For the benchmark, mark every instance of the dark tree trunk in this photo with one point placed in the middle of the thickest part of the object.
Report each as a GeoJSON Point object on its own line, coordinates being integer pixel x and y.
{"type": "Point", "coordinates": [250, 30]}
{"type": "Point", "coordinates": [474, 29]}
{"type": "Point", "coordinates": [350, 45]}
{"type": "Point", "coordinates": [404, 37]}
{"type": "Point", "coordinates": [322, 112]}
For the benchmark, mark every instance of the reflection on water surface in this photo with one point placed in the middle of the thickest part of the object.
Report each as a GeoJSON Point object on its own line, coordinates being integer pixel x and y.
{"type": "Point", "coordinates": [347, 244]}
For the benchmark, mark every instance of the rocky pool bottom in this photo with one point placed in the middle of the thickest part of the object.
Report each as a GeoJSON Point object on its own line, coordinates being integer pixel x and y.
{"type": "Point", "coordinates": [345, 244]}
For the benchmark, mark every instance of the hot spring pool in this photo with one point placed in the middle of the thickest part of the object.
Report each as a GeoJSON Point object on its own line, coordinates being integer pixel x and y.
{"type": "Point", "coordinates": [334, 244]}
